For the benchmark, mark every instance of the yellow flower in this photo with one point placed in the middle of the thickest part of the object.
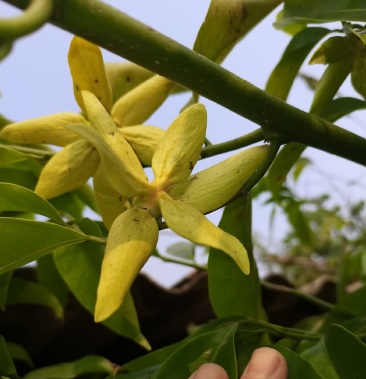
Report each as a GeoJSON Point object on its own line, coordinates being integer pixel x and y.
{"type": "Point", "coordinates": [134, 233]}
{"type": "Point", "coordinates": [73, 166]}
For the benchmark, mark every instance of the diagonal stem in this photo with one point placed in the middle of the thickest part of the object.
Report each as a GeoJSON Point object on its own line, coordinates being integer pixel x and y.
{"type": "Point", "coordinates": [129, 38]}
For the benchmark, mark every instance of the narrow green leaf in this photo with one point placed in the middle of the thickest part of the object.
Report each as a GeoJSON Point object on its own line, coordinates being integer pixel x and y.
{"type": "Point", "coordinates": [17, 198]}
{"type": "Point", "coordinates": [346, 352]}
{"type": "Point", "coordinates": [316, 355]}
{"type": "Point", "coordinates": [216, 346]}
{"type": "Point", "coordinates": [341, 107]}
{"type": "Point", "coordinates": [79, 265]}
{"type": "Point", "coordinates": [282, 165]}
{"type": "Point", "coordinates": [26, 179]}
{"type": "Point", "coordinates": [297, 366]}
{"type": "Point", "coordinates": [9, 156]}
{"type": "Point", "coordinates": [7, 368]}
{"type": "Point", "coordinates": [226, 23]}
{"type": "Point", "coordinates": [181, 250]}
{"type": "Point", "coordinates": [23, 291]}
{"type": "Point", "coordinates": [70, 204]}
{"type": "Point", "coordinates": [312, 11]}
{"type": "Point", "coordinates": [91, 364]}
{"type": "Point", "coordinates": [19, 354]}
{"type": "Point", "coordinates": [23, 241]}
{"type": "Point", "coordinates": [4, 286]}
{"type": "Point", "coordinates": [358, 75]}
{"type": "Point", "coordinates": [231, 292]}
{"type": "Point", "coordinates": [284, 74]}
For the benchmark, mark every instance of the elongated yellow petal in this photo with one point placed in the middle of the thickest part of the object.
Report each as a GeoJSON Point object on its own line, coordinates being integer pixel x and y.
{"type": "Point", "coordinates": [139, 104]}
{"type": "Point", "coordinates": [88, 72]}
{"type": "Point", "coordinates": [180, 147]}
{"type": "Point", "coordinates": [194, 226]}
{"type": "Point", "coordinates": [68, 169]}
{"type": "Point", "coordinates": [47, 129]}
{"type": "Point", "coordinates": [131, 240]}
{"type": "Point", "coordinates": [144, 140]}
{"type": "Point", "coordinates": [108, 130]}
{"type": "Point", "coordinates": [212, 188]}
{"type": "Point", "coordinates": [125, 76]}
{"type": "Point", "coordinates": [122, 177]}
{"type": "Point", "coordinates": [110, 203]}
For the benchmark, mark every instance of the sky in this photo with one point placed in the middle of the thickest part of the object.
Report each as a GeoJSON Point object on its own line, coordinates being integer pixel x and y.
{"type": "Point", "coordinates": [35, 81]}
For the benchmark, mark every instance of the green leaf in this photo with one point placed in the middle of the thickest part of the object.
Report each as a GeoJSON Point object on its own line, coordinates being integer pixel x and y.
{"type": "Point", "coordinates": [26, 179]}
{"type": "Point", "coordinates": [285, 72]}
{"type": "Point", "coordinates": [216, 346]}
{"type": "Point", "coordinates": [79, 266]}
{"type": "Point", "coordinates": [49, 277]}
{"type": "Point", "coordinates": [348, 306]}
{"type": "Point", "coordinates": [226, 23]}
{"type": "Point", "coordinates": [231, 292]}
{"type": "Point", "coordinates": [297, 366]}
{"type": "Point", "coordinates": [7, 368]}
{"type": "Point", "coordinates": [299, 167]}
{"type": "Point", "coordinates": [4, 287]}
{"type": "Point", "coordinates": [315, 11]}
{"type": "Point", "coordinates": [341, 107]}
{"type": "Point", "coordinates": [330, 82]}
{"type": "Point", "coordinates": [23, 241]}
{"type": "Point", "coordinates": [299, 222]}
{"type": "Point", "coordinates": [90, 364]}
{"type": "Point", "coordinates": [23, 291]}
{"type": "Point", "coordinates": [282, 165]}
{"type": "Point", "coordinates": [358, 75]}
{"type": "Point", "coordinates": [346, 352]}
{"type": "Point", "coordinates": [19, 354]}
{"type": "Point", "coordinates": [10, 158]}
{"type": "Point", "coordinates": [17, 198]}
{"type": "Point", "coordinates": [335, 49]}
{"type": "Point", "coordinates": [86, 194]}
{"type": "Point", "coordinates": [70, 204]}
{"type": "Point", "coordinates": [317, 356]}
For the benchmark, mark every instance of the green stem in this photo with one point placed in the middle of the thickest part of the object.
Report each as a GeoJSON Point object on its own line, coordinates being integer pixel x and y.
{"type": "Point", "coordinates": [311, 299]}
{"type": "Point", "coordinates": [237, 143]}
{"type": "Point", "coordinates": [176, 261]}
{"type": "Point", "coordinates": [36, 14]}
{"type": "Point", "coordinates": [131, 39]}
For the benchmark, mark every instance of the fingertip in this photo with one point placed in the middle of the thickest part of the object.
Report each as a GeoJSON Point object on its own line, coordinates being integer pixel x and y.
{"type": "Point", "coordinates": [209, 371]}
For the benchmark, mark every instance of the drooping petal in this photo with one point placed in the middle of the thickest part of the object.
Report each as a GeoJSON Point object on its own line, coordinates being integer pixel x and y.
{"type": "Point", "coordinates": [108, 130]}
{"type": "Point", "coordinates": [122, 177]}
{"type": "Point", "coordinates": [132, 239]}
{"type": "Point", "coordinates": [68, 169]}
{"type": "Point", "coordinates": [88, 72]}
{"type": "Point", "coordinates": [47, 129]}
{"type": "Point", "coordinates": [139, 104]}
{"type": "Point", "coordinates": [212, 188]}
{"type": "Point", "coordinates": [144, 140]}
{"type": "Point", "coordinates": [194, 226]}
{"type": "Point", "coordinates": [180, 147]}
{"type": "Point", "coordinates": [110, 203]}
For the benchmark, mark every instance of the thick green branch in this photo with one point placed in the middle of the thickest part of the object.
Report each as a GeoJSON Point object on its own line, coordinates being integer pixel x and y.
{"type": "Point", "coordinates": [127, 37]}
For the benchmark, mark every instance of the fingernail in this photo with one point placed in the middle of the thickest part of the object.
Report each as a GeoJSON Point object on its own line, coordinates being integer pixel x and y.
{"type": "Point", "coordinates": [264, 361]}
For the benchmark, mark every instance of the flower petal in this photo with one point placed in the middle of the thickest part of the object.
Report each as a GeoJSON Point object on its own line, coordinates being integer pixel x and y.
{"type": "Point", "coordinates": [125, 76]}
{"type": "Point", "coordinates": [212, 188]}
{"type": "Point", "coordinates": [139, 104]}
{"type": "Point", "coordinates": [47, 129]}
{"type": "Point", "coordinates": [180, 147]}
{"type": "Point", "coordinates": [144, 140]}
{"type": "Point", "coordinates": [110, 203]}
{"type": "Point", "coordinates": [108, 130]}
{"type": "Point", "coordinates": [194, 226]}
{"type": "Point", "coordinates": [68, 169]}
{"type": "Point", "coordinates": [88, 72]}
{"type": "Point", "coordinates": [121, 176]}
{"type": "Point", "coordinates": [132, 239]}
